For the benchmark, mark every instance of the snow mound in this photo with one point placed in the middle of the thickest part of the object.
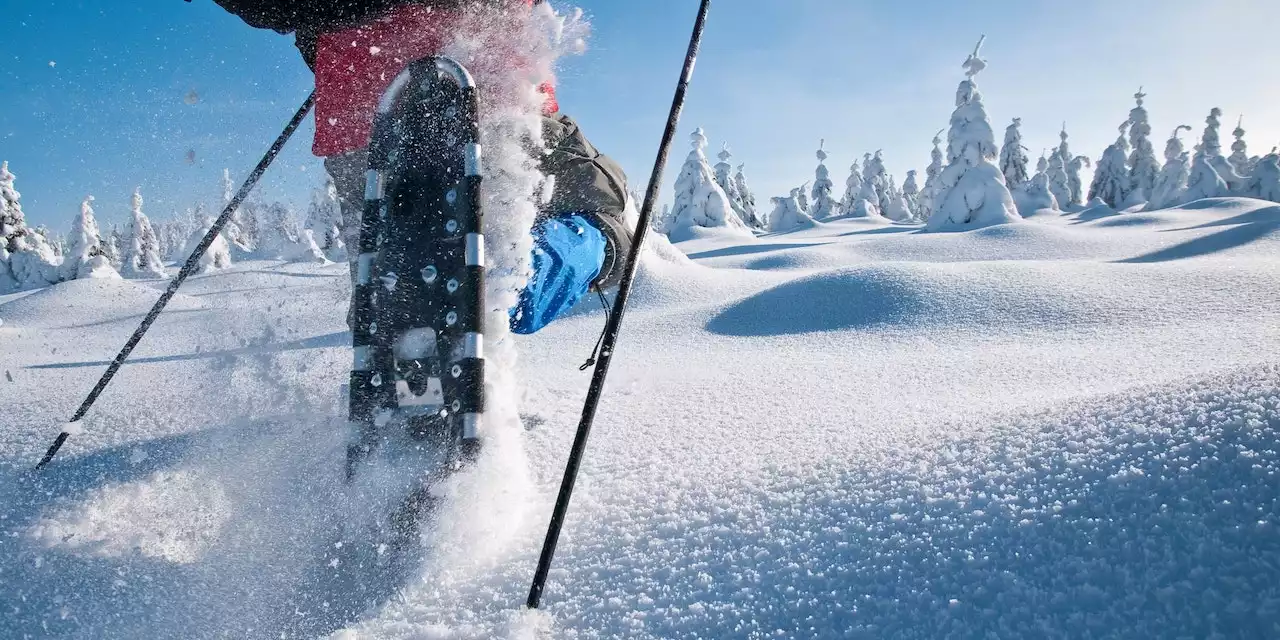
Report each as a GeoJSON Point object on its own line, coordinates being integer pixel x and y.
{"type": "Point", "coordinates": [89, 301]}
{"type": "Point", "coordinates": [1006, 296]}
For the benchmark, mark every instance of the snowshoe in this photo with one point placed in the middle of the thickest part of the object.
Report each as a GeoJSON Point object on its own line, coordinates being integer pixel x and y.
{"type": "Point", "coordinates": [418, 301]}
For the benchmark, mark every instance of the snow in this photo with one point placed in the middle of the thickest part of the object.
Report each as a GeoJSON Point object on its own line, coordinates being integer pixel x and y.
{"type": "Point", "coordinates": [1061, 428]}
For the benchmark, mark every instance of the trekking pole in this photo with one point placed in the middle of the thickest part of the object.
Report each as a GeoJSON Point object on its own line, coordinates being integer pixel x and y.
{"type": "Point", "coordinates": [187, 270]}
{"type": "Point", "coordinates": [614, 325]}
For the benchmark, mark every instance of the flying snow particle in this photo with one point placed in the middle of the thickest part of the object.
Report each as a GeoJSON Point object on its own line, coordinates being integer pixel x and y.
{"type": "Point", "coordinates": [375, 50]}
{"type": "Point", "coordinates": [52, 64]}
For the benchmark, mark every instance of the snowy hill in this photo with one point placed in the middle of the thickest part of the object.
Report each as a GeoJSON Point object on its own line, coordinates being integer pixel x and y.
{"type": "Point", "coordinates": [1065, 427]}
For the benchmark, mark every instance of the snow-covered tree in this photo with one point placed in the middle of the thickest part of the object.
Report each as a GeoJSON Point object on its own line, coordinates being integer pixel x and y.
{"type": "Point", "coordinates": [1074, 183]}
{"type": "Point", "coordinates": [787, 213]}
{"type": "Point", "coordinates": [282, 236]}
{"type": "Point", "coordinates": [700, 202]}
{"type": "Point", "coordinates": [1143, 165]}
{"type": "Point", "coordinates": [238, 236]}
{"type": "Point", "coordinates": [931, 174]}
{"type": "Point", "coordinates": [112, 247]}
{"type": "Point", "coordinates": [724, 177]}
{"type": "Point", "coordinates": [1211, 148]}
{"type": "Point", "coordinates": [897, 208]}
{"type": "Point", "coordinates": [1013, 156]}
{"type": "Point", "coordinates": [662, 222]}
{"type": "Point", "coordinates": [1111, 178]}
{"type": "Point", "coordinates": [142, 260]}
{"type": "Point", "coordinates": [867, 204]}
{"type": "Point", "coordinates": [753, 219]}
{"type": "Point", "coordinates": [186, 226]}
{"type": "Point", "coordinates": [85, 256]}
{"type": "Point", "coordinates": [852, 187]}
{"type": "Point", "coordinates": [1204, 181]}
{"type": "Point", "coordinates": [972, 192]}
{"type": "Point", "coordinates": [1239, 158]}
{"type": "Point", "coordinates": [1264, 182]}
{"type": "Point", "coordinates": [27, 259]}
{"type": "Point", "coordinates": [1171, 185]}
{"type": "Point", "coordinates": [324, 220]}
{"type": "Point", "coordinates": [1059, 180]}
{"type": "Point", "coordinates": [217, 256]}
{"type": "Point", "coordinates": [803, 198]}
{"type": "Point", "coordinates": [1036, 195]}
{"type": "Point", "coordinates": [823, 205]}
{"type": "Point", "coordinates": [874, 177]}
{"type": "Point", "coordinates": [880, 181]}
{"type": "Point", "coordinates": [911, 194]}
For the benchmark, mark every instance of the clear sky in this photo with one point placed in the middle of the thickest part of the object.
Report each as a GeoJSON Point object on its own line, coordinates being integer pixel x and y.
{"type": "Point", "coordinates": [92, 91]}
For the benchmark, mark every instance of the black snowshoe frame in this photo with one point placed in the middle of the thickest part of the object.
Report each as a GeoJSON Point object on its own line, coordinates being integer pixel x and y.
{"type": "Point", "coordinates": [418, 299]}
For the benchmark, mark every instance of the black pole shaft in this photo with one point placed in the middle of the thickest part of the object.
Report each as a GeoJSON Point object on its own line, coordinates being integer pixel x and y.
{"type": "Point", "coordinates": [187, 270]}
{"type": "Point", "coordinates": [614, 325]}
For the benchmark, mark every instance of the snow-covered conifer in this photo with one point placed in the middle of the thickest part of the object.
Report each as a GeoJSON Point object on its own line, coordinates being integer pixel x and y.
{"type": "Point", "coordinates": [1171, 185]}
{"type": "Point", "coordinates": [1074, 183]}
{"type": "Point", "coordinates": [972, 192]}
{"type": "Point", "coordinates": [29, 259]}
{"type": "Point", "coordinates": [867, 204]}
{"type": "Point", "coordinates": [112, 247]}
{"type": "Point", "coordinates": [897, 208]}
{"type": "Point", "coordinates": [235, 231]}
{"type": "Point", "coordinates": [143, 256]}
{"type": "Point", "coordinates": [218, 255]}
{"type": "Point", "coordinates": [85, 257]}
{"type": "Point", "coordinates": [873, 172]}
{"type": "Point", "coordinates": [1204, 181]}
{"type": "Point", "coordinates": [1111, 178]}
{"type": "Point", "coordinates": [852, 187]}
{"type": "Point", "coordinates": [787, 213]}
{"type": "Point", "coordinates": [754, 219]}
{"type": "Point", "coordinates": [931, 174]}
{"type": "Point", "coordinates": [185, 227]}
{"type": "Point", "coordinates": [879, 178]}
{"type": "Point", "coordinates": [1059, 180]}
{"type": "Point", "coordinates": [699, 200]}
{"type": "Point", "coordinates": [1143, 165]}
{"type": "Point", "coordinates": [1211, 148]}
{"type": "Point", "coordinates": [823, 205]}
{"type": "Point", "coordinates": [911, 193]}
{"type": "Point", "coordinates": [1264, 182]}
{"type": "Point", "coordinates": [662, 222]}
{"type": "Point", "coordinates": [1013, 156]}
{"type": "Point", "coordinates": [724, 178]}
{"type": "Point", "coordinates": [1239, 158]}
{"type": "Point", "coordinates": [324, 220]}
{"type": "Point", "coordinates": [1036, 195]}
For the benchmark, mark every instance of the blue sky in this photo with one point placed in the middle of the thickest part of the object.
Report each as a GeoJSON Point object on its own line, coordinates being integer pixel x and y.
{"type": "Point", "coordinates": [91, 92]}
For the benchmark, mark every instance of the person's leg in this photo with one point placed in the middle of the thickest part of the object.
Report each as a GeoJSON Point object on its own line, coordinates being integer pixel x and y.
{"type": "Point", "coordinates": [348, 173]}
{"type": "Point", "coordinates": [581, 239]}
{"type": "Point", "coordinates": [589, 184]}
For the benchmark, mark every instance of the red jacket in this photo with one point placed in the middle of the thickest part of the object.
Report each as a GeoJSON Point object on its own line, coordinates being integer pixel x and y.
{"type": "Point", "coordinates": [354, 66]}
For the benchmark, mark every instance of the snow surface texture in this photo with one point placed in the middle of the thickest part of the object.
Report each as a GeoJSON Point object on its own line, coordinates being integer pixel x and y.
{"type": "Point", "coordinates": [1062, 428]}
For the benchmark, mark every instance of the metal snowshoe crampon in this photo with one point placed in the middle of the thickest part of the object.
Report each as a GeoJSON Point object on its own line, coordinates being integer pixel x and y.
{"type": "Point", "coordinates": [418, 320]}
